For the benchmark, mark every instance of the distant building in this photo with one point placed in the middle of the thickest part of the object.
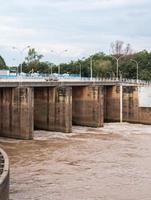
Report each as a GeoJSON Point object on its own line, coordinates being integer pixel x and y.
{"type": "Point", "coordinates": [4, 72]}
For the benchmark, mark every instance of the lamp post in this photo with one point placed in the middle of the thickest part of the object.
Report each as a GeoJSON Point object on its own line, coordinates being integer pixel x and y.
{"type": "Point", "coordinates": [91, 67]}
{"type": "Point", "coordinates": [51, 68]}
{"type": "Point", "coordinates": [136, 68]}
{"type": "Point", "coordinates": [117, 64]}
{"type": "Point", "coordinates": [59, 67]}
{"type": "Point", "coordinates": [81, 66]}
{"type": "Point", "coordinates": [80, 69]}
{"type": "Point", "coordinates": [21, 52]}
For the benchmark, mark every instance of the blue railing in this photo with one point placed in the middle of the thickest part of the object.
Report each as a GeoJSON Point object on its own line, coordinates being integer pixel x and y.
{"type": "Point", "coordinates": [66, 77]}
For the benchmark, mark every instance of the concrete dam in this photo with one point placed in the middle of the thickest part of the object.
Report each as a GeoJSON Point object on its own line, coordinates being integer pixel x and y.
{"type": "Point", "coordinates": [56, 105]}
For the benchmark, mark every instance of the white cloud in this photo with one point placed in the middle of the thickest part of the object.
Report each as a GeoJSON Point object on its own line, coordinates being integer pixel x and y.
{"type": "Point", "coordinates": [99, 4]}
{"type": "Point", "coordinates": [71, 5]}
{"type": "Point", "coordinates": [81, 26]}
{"type": "Point", "coordinates": [87, 5]}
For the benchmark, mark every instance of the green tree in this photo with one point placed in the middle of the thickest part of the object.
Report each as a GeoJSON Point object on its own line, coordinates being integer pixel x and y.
{"type": "Point", "coordinates": [33, 56]}
{"type": "Point", "coordinates": [103, 65]}
{"type": "Point", "coordinates": [2, 63]}
{"type": "Point", "coordinates": [32, 61]}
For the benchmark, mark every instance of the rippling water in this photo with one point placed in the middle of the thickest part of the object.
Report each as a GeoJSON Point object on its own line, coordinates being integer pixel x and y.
{"type": "Point", "coordinates": [110, 163]}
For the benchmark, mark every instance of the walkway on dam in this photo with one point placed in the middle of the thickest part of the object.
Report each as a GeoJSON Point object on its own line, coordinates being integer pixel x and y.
{"type": "Point", "coordinates": [109, 163]}
{"type": "Point", "coordinates": [48, 81]}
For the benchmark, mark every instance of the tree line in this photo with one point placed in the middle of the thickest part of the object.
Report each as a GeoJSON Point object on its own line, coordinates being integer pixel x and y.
{"type": "Point", "coordinates": [103, 65]}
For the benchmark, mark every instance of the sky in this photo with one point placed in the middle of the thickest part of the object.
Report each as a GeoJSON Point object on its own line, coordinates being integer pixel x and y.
{"type": "Point", "coordinates": [82, 27]}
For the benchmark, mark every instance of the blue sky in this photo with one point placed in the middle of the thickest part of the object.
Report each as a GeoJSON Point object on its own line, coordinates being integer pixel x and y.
{"type": "Point", "coordinates": [81, 26]}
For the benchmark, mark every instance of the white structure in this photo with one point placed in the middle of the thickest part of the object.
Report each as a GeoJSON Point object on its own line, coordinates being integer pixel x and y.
{"type": "Point", "coordinates": [4, 72]}
{"type": "Point", "coordinates": [144, 96]}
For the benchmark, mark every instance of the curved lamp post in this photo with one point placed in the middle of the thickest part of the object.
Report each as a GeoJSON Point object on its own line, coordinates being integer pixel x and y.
{"type": "Point", "coordinates": [59, 67]}
{"type": "Point", "coordinates": [117, 64]}
{"type": "Point", "coordinates": [137, 63]}
{"type": "Point", "coordinates": [21, 52]}
{"type": "Point", "coordinates": [81, 67]}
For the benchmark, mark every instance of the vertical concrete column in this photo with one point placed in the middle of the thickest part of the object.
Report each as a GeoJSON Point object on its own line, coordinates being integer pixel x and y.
{"type": "Point", "coordinates": [112, 103]}
{"type": "Point", "coordinates": [88, 106]}
{"type": "Point", "coordinates": [63, 119]}
{"type": "Point", "coordinates": [44, 108]}
{"type": "Point", "coordinates": [121, 103]}
{"type": "Point", "coordinates": [131, 110]}
{"type": "Point", "coordinates": [53, 108]}
{"type": "Point", "coordinates": [16, 112]}
{"type": "Point", "coordinates": [130, 104]}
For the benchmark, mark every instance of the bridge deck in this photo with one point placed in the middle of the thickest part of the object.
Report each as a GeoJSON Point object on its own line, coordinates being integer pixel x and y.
{"type": "Point", "coordinates": [64, 82]}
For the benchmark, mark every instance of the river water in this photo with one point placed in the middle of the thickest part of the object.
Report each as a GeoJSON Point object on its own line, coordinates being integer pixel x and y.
{"type": "Point", "coordinates": [110, 163]}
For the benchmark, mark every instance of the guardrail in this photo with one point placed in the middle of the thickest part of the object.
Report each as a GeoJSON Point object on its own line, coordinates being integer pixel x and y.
{"type": "Point", "coordinates": [4, 176]}
{"type": "Point", "coordinates": [82, 79]}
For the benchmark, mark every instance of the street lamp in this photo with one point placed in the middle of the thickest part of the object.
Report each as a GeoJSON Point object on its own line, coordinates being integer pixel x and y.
{"type": "Point", "coordinates": [81, 67]}
{"type": "Point", "coordinates": [137, 63]}
{"type": "Point", "coordinates": [91, 67]}
{"type": "Point", "coordinates": [21, 52]}
{"type": "Point", "coordinates": [59, 67]}
{"type": "Point", "coordinates": [117, 64]}
{"type": "Point", "coordinates": [51, 65]}
{"type": "Point", "coordinates": [14, 66]}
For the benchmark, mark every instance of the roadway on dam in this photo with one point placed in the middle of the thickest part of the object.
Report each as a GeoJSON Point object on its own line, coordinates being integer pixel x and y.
{"type": "Point", "coordinates": [110, 163]}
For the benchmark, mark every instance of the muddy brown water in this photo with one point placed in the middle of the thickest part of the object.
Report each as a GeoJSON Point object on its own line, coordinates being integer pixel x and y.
{"type": "Point", "coordinates": [110, 163]}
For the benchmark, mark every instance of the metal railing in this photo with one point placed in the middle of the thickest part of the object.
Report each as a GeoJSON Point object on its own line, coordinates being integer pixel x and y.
{"type": "Point", "coordinates": [43, 78]}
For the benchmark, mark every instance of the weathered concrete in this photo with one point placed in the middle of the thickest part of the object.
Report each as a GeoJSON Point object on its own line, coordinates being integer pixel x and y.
{"type": "Point", "coordinates": [4, 176]}
{"type": "Point", "coordinates": [65, 83]}
{"type": "Point", "coordinates": [16, 112]}
{"type": "Point", "coordinates": [131, 110]}
{"type": "Point", "coordinates": [55, 105]}
{"type": "Point", "coordinates": [112, 103]}
{"type": "Point", "coordinates": [53, 108]}
{"type": "Point", "coordinates": [87, 106]}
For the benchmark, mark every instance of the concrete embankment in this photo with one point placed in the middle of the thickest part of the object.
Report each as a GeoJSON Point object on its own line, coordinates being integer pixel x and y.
{"type": "Point", "coordinates": [4, 176]}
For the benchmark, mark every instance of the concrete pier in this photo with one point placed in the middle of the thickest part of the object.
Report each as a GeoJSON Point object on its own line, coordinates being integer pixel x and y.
{"type": "Point", "coordinates": [56, 105]}
{"type": "Point", "coordinates": [131, 109]}
{"type": "Point", "coordinates": [112, 103]}
{"type": "Point", "coordinates": [87, 106]}
{"type": "Point", "coordinates": [53, 108]}
{"type": "Point", "coordinates": [16, 112]}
